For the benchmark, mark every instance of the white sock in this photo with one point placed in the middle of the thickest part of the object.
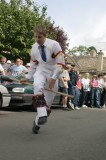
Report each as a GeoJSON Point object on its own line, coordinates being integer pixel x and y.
{"type": "Point", "coordinates": [69, 101]}
{"type": "Point", "coordinates": [64, 105]}
{"type": "Point", "coordinates": [36, 120]}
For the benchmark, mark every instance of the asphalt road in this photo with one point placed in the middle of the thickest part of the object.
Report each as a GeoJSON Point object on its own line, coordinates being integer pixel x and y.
{"type": "Point", "coordinates": [74, 135]}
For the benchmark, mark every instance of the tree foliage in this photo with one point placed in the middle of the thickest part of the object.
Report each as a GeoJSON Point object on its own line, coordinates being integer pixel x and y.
{"type": "Point", "coordinates": [82, 50]}
{"type": "Point", "coordinates": [17, 19]}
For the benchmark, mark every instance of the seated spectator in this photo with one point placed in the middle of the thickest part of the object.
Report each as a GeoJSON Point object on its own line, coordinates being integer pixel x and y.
{"type": "Point", "coordinates": [17, 68]}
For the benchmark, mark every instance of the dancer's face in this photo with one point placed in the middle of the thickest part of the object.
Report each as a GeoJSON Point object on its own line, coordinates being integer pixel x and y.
{"type": "Point", "coordinates": [39, 38]}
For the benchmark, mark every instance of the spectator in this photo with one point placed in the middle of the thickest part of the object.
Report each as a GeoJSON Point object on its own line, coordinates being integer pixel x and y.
{"type": "Point", "coordinates": [100, 84]}
{"type": "Point", "coordinates": [85, 90]}
{"type": "Point", "coordinates": [94, 92]}
{"type": "Point", "coordinates": [28, 66]}
{"type": "Point", "coordinates": [9, 62]}
{"type": "Point", "coordinates": [79, 86]}
{"type": "Point", "coordinates": [64, 78]}
{"type": "Point", "coordinates": [104, 92]}
{"type": "Point", "coordinates": [5, 65]}
{"type": "Point", "coordinates": [18, 68]}
{"type": "Point", "coordinates": [72, 87]}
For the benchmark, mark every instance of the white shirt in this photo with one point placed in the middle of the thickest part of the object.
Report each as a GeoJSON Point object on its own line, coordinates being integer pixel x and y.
{"type": "Point", "coordinates": [16, 70]}
{"type": "Point", "coordinates": [1, 68]}
{"type": "Point", "coordinates": [65, 76]}
{"type": "Point", "coordinates": [50, 66]}
{"type": "Point", "coordinates": [100, 83]}
{"type": "Point", "coordinates": [5, 67]}
{"type": "Point", "coordinates": [104, 85]}
{"type": "Point", "coordinates": [85, 83]}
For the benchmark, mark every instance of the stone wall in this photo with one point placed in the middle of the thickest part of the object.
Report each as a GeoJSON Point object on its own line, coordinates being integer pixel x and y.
{"type": "Point", "coordinates": [92, 64]}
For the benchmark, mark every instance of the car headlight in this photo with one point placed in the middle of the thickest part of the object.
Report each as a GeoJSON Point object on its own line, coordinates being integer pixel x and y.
{"type": "Point", "coordinates": [18, 90]}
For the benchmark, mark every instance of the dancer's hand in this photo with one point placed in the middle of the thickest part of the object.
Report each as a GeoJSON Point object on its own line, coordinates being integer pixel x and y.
{"type": "Point", "coordinates": [24, 81]}
{"type": "Point", "coordinates": [51, 83]}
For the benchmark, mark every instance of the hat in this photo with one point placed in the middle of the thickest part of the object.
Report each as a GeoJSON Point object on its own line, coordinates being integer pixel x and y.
{"type": "Point", "coordinates": [73, 65]}
{"type": "Point", "coordinates": [28, 65]}
{"type": "Point", "coordinates": [8, 62]}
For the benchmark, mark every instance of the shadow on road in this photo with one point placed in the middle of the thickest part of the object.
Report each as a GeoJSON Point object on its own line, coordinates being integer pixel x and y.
{"type": "Point", "coordinates": [26, 108]}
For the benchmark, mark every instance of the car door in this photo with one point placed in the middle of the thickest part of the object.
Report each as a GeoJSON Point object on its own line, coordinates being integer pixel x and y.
{"type": "Point", "coordinates": [4, 96]}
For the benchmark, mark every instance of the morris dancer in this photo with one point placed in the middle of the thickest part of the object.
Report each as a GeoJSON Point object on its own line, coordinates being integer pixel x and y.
{"type": "Point", "coordinates": [47, 61]}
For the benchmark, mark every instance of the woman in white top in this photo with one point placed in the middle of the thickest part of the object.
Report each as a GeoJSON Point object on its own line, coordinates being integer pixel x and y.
{"type": "Point", "coordinates": [85, 90]}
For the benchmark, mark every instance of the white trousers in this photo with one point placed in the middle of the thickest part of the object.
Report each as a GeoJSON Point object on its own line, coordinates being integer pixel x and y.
{"type": "Point", "coordinates": [40, 81]}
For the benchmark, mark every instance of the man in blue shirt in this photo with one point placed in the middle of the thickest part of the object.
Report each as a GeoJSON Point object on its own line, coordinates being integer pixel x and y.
{"type": "Point", "coordinates": [72, 87]}
{"type": "Point", "coordinates": [17, 68]}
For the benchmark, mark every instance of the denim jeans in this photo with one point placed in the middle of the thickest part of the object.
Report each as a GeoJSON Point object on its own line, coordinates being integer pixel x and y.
{"type": "Point", "coordinates": [95, 100]}
{"type": "Point", "coordinates": [76, 93]}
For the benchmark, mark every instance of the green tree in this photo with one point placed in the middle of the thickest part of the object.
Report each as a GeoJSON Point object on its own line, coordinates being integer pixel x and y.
{"type": "Point", "coordinates": [17, 19]}
{"type": "Point", "coordinates": [82, 50]}
{"type": "Point", "coordinates": [89, 49]}
{"type": "Point", "coordinates": [73, 51]}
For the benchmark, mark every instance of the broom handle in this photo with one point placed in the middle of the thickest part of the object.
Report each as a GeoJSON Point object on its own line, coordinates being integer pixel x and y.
{"type": "Point", "coordinates": [48, 89]}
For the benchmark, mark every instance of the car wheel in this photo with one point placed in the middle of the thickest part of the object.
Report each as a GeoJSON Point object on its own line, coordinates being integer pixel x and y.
{"type": "Point", "coordinates": [0, 102]}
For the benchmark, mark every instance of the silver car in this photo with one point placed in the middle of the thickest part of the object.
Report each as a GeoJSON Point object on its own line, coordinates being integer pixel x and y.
{"type": "Point", "coordinates": [4, 97]}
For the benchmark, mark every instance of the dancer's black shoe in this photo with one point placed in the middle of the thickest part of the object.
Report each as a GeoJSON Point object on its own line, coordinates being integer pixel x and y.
{"type": "Point", "coordinates": [35, 128]}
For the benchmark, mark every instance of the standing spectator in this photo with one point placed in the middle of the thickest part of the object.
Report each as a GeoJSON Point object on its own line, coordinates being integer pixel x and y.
{"type": "Point", "coordinates": [5, 65]}
{"type": "Point", "coordinates": [100, 84]}
{"type": "Point", "coordinates": [72, 87]}
{"type": "Point", "coordinates": [79, 86]}
{"type": "Point", "coordinates": [17, 68]}
{"type": "Point", "coordinates": [104, 92]}
{"type": "Point", "coordinates": [85, 90]}
{"type": "Point", "coordinates": [94, 92]}
{"type": "Point", "coordinates": [64, 78]}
